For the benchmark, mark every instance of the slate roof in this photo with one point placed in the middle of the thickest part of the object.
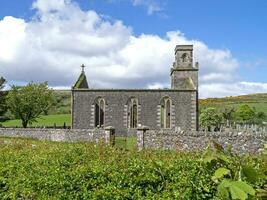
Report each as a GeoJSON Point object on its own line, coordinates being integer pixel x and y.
{"type": "Point", "coordinates": [81, 83]}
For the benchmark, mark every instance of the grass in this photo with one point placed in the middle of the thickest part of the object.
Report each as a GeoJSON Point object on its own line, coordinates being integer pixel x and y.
{"type": "Point", "coordinates": [47, 120]}
{"type": "Point", "coordinates": [128, 143]}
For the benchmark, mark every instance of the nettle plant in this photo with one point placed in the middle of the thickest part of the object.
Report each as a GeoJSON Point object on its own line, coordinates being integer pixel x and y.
{"type": "Point", "coordinates": [234, 179]}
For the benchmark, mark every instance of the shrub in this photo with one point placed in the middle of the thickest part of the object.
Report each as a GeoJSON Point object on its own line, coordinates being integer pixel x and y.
{"type": "Point", "coordinates": [32, 169]}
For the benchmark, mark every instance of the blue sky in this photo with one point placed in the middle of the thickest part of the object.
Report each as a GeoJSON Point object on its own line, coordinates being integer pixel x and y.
{"type": "Point", "coordinates": [237, 27]}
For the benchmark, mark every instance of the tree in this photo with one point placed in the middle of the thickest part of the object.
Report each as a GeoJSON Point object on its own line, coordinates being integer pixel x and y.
{"type": "Point", "coordinates": [244, 113]}
{"type": "Point", "coordinates": [29, 102]}
{"type": "Point", "coordinates": [259, 118]}
{"type": "Point", "coordinates": [228, 114]}
{"type": "Point", "coordinates": [210, 117]}
{"type": "Point", "coordinates": [3, 107]}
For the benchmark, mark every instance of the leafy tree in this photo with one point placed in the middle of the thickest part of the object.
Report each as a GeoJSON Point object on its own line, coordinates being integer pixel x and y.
{"type": "Point", "coordinates": [3, 106]}
{"type": "Point", "coordinates": [228, 114]}
{"type": "Point", "coordinates": [244, 113]}
{"type": "Point", "coordinates": [29, 102]}
{"type": "Point", "coordinates": [259, 118]}
{"type": "Point", "coordinates": [210, 117]}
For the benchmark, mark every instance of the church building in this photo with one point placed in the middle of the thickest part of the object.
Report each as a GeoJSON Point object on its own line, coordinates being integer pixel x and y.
{"type": "Point", "coordinates": [126, 109]}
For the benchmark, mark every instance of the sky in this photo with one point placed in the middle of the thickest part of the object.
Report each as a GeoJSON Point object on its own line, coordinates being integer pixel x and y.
{"type": "Point", "coordinates": [130, 43]}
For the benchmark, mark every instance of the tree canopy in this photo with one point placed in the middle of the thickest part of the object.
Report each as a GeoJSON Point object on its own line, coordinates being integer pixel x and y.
{"type": "Point", "coordinates": [209, 117]}
{"type": "Point", "coordinates": [3, 107]}
{"type": "Point", "coordinates": [29, 102]}
{"type": "Point", "coordinates": [244, 113]}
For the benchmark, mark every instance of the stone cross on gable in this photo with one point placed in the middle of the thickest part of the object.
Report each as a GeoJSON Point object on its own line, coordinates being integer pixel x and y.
{"type": "Point", "coordinates": [82, 66]}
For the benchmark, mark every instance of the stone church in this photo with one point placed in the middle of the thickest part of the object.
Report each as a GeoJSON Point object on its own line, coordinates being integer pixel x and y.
{"type": "Point", "coordinates": [126, 109]}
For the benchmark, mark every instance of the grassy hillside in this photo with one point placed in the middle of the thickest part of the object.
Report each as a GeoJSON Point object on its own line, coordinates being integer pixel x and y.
{"type": "Point", "coordinates": [62, 103]}
{"type": "Point", "coordinates": [258, 101]}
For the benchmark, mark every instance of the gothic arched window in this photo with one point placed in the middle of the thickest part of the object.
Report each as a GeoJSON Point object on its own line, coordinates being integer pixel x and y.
{"type": "Point", "coordinates": [165, 113]}
{"type": "Point", "coordinates": [132, 113]}
{"type": "Point", "coordinates": [99, 112]}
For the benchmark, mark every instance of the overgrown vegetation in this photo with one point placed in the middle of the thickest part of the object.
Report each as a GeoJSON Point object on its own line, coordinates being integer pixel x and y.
{"type": "Point", "coordinates": [32, 169]}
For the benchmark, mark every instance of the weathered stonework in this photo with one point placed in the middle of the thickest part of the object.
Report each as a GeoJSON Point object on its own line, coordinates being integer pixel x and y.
{"type": "Point", "coordinates": [148, 112]}
{"type": "Point", "coordinates": [241, 142]}
{"type": "Point", "coordinates": [67, 135]}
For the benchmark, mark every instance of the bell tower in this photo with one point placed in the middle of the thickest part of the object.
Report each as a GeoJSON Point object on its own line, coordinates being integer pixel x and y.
{"type": "Point", "coordinates": [184, 75]}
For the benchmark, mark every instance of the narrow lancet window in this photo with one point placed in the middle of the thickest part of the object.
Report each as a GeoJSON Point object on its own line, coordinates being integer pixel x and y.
{"type": "Point", "coordinates": [99, 112]}
{"type": "Point", "coordinates": [165, 113]}
{"type": "Point", "coordinates": [132, 113]}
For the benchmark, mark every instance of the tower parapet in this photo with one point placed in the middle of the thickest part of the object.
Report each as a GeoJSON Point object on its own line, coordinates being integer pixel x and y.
{"type": "Point", "coordinates": [183, 74]}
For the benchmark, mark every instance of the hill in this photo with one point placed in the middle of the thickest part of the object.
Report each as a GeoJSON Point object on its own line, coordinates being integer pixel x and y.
{"type": "Point", "coordinates": [257, 101]}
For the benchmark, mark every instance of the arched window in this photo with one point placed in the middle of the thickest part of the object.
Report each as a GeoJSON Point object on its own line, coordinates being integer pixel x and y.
{"type": "Point", "coordinates": [132, 113]}
{"type": "Point", "coordinates": [165, 113]}
{"type": "Point", "coordinates": [184, 57]}
{"type": "Point", "coordinates": [99, 112]}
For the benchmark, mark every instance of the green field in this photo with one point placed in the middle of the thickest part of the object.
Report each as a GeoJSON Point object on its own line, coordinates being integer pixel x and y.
{"type": "Point", "coordinates": [31, 169]}
{"type": "Point", "coordinates": [257, 101]}
{"type": "Point", "coordinates": [48, 120]}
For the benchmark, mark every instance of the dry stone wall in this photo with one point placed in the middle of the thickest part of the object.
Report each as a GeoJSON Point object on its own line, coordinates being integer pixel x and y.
{"type": "Point", "coordinates": [241, 142]}
{"type": "Point", "coordinates": [106, 135]}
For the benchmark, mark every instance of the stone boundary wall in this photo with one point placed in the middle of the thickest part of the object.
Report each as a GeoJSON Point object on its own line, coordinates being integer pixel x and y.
{"type": "Point", "coordinates": [106, 135]}
{"type": "Point", "coordinates": [241, 142]}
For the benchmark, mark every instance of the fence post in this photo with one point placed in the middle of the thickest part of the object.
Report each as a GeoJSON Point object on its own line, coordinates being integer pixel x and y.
{"type": "Point", "coordinates": [140, 137]}
{"type": "Point", "coordinates": [110, 135]}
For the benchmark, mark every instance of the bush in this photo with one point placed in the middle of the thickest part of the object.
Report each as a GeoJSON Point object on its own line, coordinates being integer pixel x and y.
{"type": "Point", "coordinates": [32, 169]}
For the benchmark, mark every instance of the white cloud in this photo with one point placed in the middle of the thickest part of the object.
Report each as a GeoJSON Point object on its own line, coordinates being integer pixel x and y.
{"type": "Point", "coordinates": [61, 37]}
{"type": "Point", "coordinates": [231, 89]}
{"type": "Point", "coordinates": [152, 5]}
{"type": "Point", "coordinates": [12, 35]}
{"type": "Point", "coordinates": [49, 5]}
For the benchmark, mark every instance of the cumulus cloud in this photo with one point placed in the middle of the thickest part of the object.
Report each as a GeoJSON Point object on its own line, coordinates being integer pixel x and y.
{"type": "Point", "coordinates": [232, 89]}
{"type": "Point", "coordinates": [61, 37]}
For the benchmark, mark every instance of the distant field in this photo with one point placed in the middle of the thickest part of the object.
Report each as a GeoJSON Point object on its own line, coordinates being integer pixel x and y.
{"type": "Point", "coordinates": [258, 101]}
{"type": "Point", "coordinates": [48, 120]}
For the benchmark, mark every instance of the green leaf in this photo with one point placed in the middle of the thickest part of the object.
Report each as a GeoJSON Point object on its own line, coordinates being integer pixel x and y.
{"type": "Point", "coordinates": [250, 173]}
{"type": "Point", "coordinates": [220, 173]}
{"type": "Point", "coordinates": [237, 193]}
{"type": "Point", "coordinates": [222, 190]}
{"type": "Point", "coordinates": [237, 189]}
{"type": "Point", "coordinates": [245, 187]}
{"type": "Point", "coordinates": [224, 157]}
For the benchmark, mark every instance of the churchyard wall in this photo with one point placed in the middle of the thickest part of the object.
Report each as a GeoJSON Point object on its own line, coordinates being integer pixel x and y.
{"type": "Point", "coordinates": [106, 135]}
{"type": "Point", "coordinates": [239, 141]}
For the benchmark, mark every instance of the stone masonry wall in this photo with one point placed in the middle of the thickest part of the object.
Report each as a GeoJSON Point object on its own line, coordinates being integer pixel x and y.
{"type": "Point", "coordinates": [67, 135]}
{"type": "Point", "coordinates": [183, 108]}
{"type": "Point", "coordinates": [242, 142]}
